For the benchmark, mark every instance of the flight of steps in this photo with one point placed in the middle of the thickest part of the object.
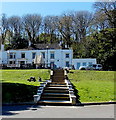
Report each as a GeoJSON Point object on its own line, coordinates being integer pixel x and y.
{"type": "Point", "coordinates": [57, 91]}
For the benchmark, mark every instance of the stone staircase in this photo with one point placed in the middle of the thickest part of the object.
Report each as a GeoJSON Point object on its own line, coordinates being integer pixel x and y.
{"type": "Point", "coordinates": [58, 90]}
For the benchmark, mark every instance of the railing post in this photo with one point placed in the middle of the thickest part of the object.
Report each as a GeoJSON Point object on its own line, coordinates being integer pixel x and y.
{"type": "Point", "coordinates": [36, 98]}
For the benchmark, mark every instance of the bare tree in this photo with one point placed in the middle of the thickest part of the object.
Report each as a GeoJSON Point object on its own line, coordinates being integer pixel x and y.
{"type": "Point", "coordinates": [65, 28]}
{"type": "Point", "coordinates": [15, 25]}
{"type": "Point", "coordinates": [32, 24]}
{"type": "Point", "coordinates": [82, 21]}
{"type": "Point", "coordinates": [100, 22]}
{"type": "Point", "coordinates": [3, 28]}
{"type": "Point", "coordinates": [108, 9]}
{"type": "Point", "coordinates": [50, 27]}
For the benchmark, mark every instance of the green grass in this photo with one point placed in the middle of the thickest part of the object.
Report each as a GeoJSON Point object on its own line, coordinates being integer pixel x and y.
{"type": "Point", "coordinates": [21, 76]}
{"type": "Point", "coordinates": [16, 88]}
{"type": "Point", "coordinates": [94, 86]}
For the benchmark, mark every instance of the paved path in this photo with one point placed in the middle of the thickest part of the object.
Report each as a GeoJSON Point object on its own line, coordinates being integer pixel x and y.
{"type": "Point", "coordinates": [92, 111]}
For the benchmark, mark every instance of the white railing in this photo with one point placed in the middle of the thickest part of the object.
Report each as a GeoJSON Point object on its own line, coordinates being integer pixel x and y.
{"type": "Point", "coordinates": [12, 65]}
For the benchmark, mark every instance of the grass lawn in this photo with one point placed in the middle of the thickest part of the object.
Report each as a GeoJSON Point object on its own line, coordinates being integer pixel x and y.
{"type": "Point", "coordinates": [21, 76]}
{"type": "Point", "coordinates": [94, 86]}
{"type": "Point", "coordinates": [16, 88]}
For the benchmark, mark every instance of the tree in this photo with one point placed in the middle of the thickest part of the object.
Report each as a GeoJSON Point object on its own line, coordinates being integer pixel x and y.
{"type": "Point", "coordinates": [50, 27]}
{"type": "Point", "coordinates": [15, 25]}
{"type": "Point", "coordinates": [100, 22]}
{"type": "Point", "coordinates": [65, 28]}
{"type": "Point", "coordinates": [4, 28]}
{"type": "Point", "coordinates": [46, 38]}
{"type": "Point", "coordinates": [19, 43]}
{"type": "Point", "coordinates": [32, 24]}
{"type": "Point", "coordinates": [82, 21]}
{"type": "Point", "coordinates": [102, 45]}
{"type": "Point", "coordinates": [109, 10]}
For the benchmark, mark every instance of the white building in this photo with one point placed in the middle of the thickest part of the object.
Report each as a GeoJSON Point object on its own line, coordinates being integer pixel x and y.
{"type": "Point", "coordinates": [83, 62]}
{"type": "Point", "coordinates": [51, 56]}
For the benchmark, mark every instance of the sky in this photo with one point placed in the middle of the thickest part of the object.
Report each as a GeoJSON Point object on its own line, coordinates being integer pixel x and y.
{"type": "Point", "coordinates": [43, 8]}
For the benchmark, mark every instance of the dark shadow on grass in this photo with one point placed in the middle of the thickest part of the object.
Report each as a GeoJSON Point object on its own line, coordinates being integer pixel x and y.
{"type": "Point", "coordinates": [14, 94]}
{"type": "Point", "coordinates": [76, 94]}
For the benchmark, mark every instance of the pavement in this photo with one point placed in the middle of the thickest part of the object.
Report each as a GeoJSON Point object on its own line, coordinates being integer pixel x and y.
{"type": "Point", "coordinates": [85, 111]}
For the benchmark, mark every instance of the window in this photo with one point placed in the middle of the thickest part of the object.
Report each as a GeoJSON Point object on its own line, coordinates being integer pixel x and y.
{"type": "Point", "coordinates": [99, 65]}
{"type": "Point", "coordinates": [33, 55]}
{"type": "Point", "coordinates": [84, 63]}
{"type": "Point", "coordinates": [67, 55]}
{"type": "Point", "coordinates": [94, 65]}
{"type": "Point", "coordinates": [67, 63]}
{"type": "Point", "coordinates": [52, 55]}
{"type": "Point", "coordinates": [22, 55]}
{"type": "Point", "coordinates": [43, 54]}
{"type": "Point", "coordinates": [78, 65]}
{"type": "Point", "coordinates": [90, 63]}
{"type": "Point", "coordinates": [22, 62]}
{"type": "Point", "coordinates": [51, 62]}
{"type": "Point", "coordinates": [10, 62]}
{"type": "Point", "coordinates": [12, 55]}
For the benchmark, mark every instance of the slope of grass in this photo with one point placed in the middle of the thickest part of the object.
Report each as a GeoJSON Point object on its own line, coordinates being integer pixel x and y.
{"type": "Point", "coordinates": [16, 88]}
{"type": "Point", "coordinates": [94, 86]}
{"type": "Point", "coordinates": [21, 76]}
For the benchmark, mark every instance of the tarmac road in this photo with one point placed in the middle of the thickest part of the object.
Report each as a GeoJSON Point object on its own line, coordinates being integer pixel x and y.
{"type": "Point", "coordinates": [29, 111]}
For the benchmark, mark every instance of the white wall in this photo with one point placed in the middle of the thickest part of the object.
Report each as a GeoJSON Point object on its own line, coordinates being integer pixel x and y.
{"type": "Point", "coordinates": [59, 58]}
{"type": "Point", "coordinates": [83, 61]}
{"type": "Point", "coordinates": [0, 57]}
{"type": "Point", "coordinates": [3, 57]}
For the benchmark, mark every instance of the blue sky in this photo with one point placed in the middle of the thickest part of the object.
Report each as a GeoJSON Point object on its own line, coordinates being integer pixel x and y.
{"type": "Point", "coordinates": [43, 8]}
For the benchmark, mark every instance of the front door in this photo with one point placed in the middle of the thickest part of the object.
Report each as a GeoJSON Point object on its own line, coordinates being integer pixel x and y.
{"type": "Point", "coordinates": [22, 63]}
{"type": "Point", "coordinates": [78, 65]}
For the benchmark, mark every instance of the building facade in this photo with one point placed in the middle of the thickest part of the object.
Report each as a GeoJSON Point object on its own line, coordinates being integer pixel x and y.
{"type": "Point", "coordinates": [57, 58]}
{"type": "Point", "coordinates": [83, 62]}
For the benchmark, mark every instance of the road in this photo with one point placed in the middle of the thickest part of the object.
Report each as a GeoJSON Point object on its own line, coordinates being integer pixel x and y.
{"type": "Point", "coordinates": [90, 111]}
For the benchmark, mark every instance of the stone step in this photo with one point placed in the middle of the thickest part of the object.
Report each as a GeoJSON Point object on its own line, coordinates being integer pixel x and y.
{"type": "Point", "coordinates": [55, 102]}
{"type": "Point", "coordinates": [56, 94]}
{"type": "Point", "coordinates": [58, 80]}
{"type": "Point", "coordinates": [56, 88]}
{"type": "Point", "coordinates": [57, 76]}
{"type": "Point", "coordinates": [54, 98]}
{"type": "Point", "coordinates": [56, 91]}
{"type": "Point", "coordinates": [54, 85]}
{"type": "Point", "coordinates": [58, 83]}
{"type": "Point", "coordinates": [58, 71]}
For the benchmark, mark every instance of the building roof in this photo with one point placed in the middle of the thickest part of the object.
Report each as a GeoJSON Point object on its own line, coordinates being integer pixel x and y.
{"type": "Point", "coordinates": [47, 46]}
{"type": "Point", "coordinates": [42, 47]}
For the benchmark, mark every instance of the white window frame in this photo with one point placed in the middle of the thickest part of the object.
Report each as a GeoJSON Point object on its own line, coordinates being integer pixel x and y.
{"type": "Point", "coordinates": [51, 56]}
{"type": "Point", "coordinates": [66, 55]}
